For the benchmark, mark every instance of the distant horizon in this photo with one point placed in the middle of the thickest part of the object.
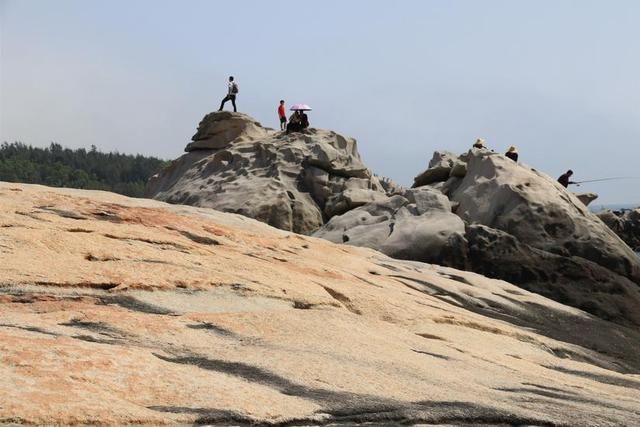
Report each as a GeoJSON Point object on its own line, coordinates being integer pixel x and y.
{"type": "Point", "coordinates": [556, 79]}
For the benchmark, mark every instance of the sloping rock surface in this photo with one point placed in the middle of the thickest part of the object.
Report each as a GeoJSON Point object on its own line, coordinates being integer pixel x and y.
{"type": "Point", "coordinates": [514, 223]}
{"type": "Point", "coordinates": [293, 182]}
{"type": "Point", "coordinates": [121, 311]}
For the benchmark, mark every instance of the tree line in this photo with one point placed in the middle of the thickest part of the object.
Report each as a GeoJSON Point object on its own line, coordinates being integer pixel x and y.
{"type": "Point", "coordinates": [91, 169]}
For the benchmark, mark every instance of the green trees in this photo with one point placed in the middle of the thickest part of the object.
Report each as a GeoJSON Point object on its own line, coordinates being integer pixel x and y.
{"type": "Point", "coordinates": [62, 167]}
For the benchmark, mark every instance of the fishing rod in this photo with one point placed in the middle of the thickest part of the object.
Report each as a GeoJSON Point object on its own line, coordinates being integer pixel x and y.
{"type": "Point", "coordinates": [607, 179]}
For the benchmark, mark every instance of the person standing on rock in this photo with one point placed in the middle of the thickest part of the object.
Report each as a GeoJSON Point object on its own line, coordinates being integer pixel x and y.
{"type": "Point", "coordinates": [564, 178]}
{"type": "Point", "coordinates": [231, 95]}
{"type": "Point", "coordinates": [282, 114]}
{"type": "Point", "coordinates": [512, 153]}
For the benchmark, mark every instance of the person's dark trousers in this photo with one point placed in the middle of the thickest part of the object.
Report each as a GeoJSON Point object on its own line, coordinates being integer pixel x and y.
{"type": "Point", "coordinates": [231, 98]}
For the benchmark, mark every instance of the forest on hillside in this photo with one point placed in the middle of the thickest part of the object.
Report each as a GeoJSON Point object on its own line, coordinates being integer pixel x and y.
{"type": "Point", "coordinates": [80, 168]}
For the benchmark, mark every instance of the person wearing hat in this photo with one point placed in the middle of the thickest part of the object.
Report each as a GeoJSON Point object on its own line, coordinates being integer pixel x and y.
{"type": "Point", "coordinates": [512, 153]}
{"type": "Point", "coordinates": [479, 143]}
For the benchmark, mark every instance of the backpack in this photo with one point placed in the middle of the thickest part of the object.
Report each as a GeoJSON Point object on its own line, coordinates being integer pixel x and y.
{"type": "Point", "coordinates": [234, 88]}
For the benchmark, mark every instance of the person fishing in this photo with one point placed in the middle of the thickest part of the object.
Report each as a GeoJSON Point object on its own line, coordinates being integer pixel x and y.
{"type": "Point", "coordinates": [232, 92]}
{"type": "Point", "coordinates": [564, 179]}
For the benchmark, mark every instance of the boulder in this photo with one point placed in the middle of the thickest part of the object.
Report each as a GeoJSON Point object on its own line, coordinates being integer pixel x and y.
{"type": "Point", "coordinates": [294, 182]}
{"type": "Point", "coordinates": [586, 198]}
{"type": "Point", "coordinates": [440, 168]}
{"type": "Point", "coordinates": [535, 209]}
{"type": "Point", "coordinates": [219, 129]}
{"type": "Point", "coordinates": [418, 226]}
{"type": "Point", "coordinates": [350, 199]}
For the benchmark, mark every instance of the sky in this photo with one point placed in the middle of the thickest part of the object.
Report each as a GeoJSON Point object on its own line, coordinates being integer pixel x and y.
{"type": "Point", "coordinates": [559, 79]}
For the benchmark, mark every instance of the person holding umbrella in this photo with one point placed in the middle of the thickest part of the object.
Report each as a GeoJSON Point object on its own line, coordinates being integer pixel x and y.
{"type": "Point", "coordinates": [298, 121]}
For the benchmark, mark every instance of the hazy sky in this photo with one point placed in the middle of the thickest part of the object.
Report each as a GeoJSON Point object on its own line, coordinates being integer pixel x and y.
{"type": "Point", "coordinates": [559, 79]}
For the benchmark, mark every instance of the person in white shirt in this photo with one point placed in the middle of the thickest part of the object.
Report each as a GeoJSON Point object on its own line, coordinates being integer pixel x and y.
{"type": "Point", "coordinates": [231, 94]}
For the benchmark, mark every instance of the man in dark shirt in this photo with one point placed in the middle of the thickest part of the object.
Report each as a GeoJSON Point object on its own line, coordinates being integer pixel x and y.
{"type": "Point", "coordinates": [564, 178]}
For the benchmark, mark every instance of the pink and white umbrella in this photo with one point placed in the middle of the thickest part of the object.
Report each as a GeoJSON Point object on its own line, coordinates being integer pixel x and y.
{"type": "Point", "coordinates": [300, 107]}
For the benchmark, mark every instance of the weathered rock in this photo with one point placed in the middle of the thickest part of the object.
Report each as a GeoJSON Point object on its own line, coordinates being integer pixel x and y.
{"type": "Point", "coordinates": [418, 225]}
{"type": "Point", "coordinates": [538, 211]}
{"type": "Point", "coordinates": [537, 235]}
{"type": "Point", "coordinates": [458, 170]}
{"type": "Point", "coordinates": [288, 181]}
{"type": "Point", "coordinates": [351, 199]}
{"type": "Point", "coordinates": [442, 166]}
{"type": "Point", "coordinates": [626, 224]}
{"type": "Point", "coordinates": [219, 129]}
{"type": "Point", "coordinates": [586, 198]}
{"type": "Point", "coordinates": [142, 313]}
{"type": "Point", "coordinates": [573, 281]}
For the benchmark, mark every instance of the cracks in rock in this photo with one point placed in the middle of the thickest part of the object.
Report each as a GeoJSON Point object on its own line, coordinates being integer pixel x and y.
{"type": "Point", "coordinates": [32, 215]}
{"type": "Point", "coordinates": [29, 328]}
{"type": "Point", "coordinates": [439, 356]}
{"type": "Point", "coordinates": [133, 304]}
{"type": "Point", "coordinates": [368, 282]}
{"type": "Point", "coordinates": [602, 378]}
{"type": "Point", "coordinates": [107, 216]}
{"type": "Point", "coordinates": [93, 285]}
{"type": "Point", "coordinates": [79, 230]}
{"type": "Point", "coordinates": [63, 213]}
{"type": "Point", "coordinates": [112, 335]}
{"type": "Point", "coordinates": [91, 257]}
{"type": "Point", "coordinates": [98, 327]}
{"type": "Point", "coordinates": [162, 244]}
{"type": "Point", "coordinates": [203, 240]}
{"type": "Point", "coordinates": [430, 336]}
{"type": "Point", "coordinates": [301, 305]}
{"type": "Point", "coordinates": [218, 330]}
{"type": "Point", "coordinates": [342, 299]}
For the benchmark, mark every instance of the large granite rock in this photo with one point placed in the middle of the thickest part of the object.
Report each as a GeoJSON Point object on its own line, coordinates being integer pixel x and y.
{"type": "Point", "coordinates": [626, 224]}
{"type": "Point", "coordinates": [142, 313]}
{"type": "Point", "coordinates": [538, 211]}
{"type": "Point", "coordinates": [293, 182]}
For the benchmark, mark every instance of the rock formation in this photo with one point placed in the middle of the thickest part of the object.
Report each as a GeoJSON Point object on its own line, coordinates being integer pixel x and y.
{"type": "Point", "coordinates": [519, 225]}
{"type": "Point", "coordinates": [118, 311]}
{"type": "Point", "coordinates": [417, 225]}
{"type": "Point", "coordinates": [292, 182]}
{"type": "Point", "coordinates": [479, 211]}
{"type": "Point", "coordinates": [626, 224]}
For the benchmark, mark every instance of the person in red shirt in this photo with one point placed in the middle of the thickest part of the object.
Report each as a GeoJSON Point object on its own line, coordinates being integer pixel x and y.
{"type": "Point", "coordinates": [283, 115]}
